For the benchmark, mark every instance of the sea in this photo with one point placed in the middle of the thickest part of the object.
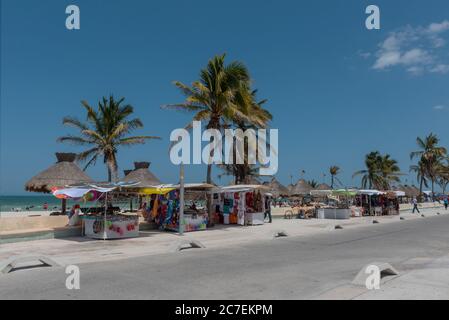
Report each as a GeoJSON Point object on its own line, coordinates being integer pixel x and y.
{"type": "Point", "coordinates": [36, 203]}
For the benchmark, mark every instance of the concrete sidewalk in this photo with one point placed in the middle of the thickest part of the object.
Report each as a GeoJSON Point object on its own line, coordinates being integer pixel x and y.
{"type": "Point", "coordinates": [82, 250]}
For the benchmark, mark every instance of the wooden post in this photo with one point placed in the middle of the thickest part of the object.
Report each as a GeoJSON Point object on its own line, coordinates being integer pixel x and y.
{"type": "Point", "coordinates": [64, 206]}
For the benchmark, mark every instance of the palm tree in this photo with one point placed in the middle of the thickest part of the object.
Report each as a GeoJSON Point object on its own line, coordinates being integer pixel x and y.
{"type": "Point", "coordinates": [441, 173]}
{"type": "Point", "coordinates": [421, 174]}
{"type": "Point", "coordinates": [371, 175]}
{"type": "Point", "coordinates": [389, 170]}
{"type": "Point", "coordinates": [255, 117]}
{"type": "Point", "coordinates": [216, 95]}
{"type": "Point", "coordinates": [313, 183]}
{"type": "Point", "coordinates": [334, 171]}
{"type": "Point", "coordinates": [104, 131]}
{"type": "Point", "coordinates": [430, 154]}
{"type": "Point", "coordinates": [380, 171]}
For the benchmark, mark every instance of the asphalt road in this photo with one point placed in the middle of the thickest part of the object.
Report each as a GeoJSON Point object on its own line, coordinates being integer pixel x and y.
{"type": "Point", "coordinates": [285, 268]}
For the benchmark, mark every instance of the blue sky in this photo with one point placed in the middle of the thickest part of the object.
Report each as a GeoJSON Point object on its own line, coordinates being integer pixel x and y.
{"type": "Point", "coordinates": [337, 90]}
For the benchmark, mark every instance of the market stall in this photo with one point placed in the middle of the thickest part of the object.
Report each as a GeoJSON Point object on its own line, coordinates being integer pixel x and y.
{"type": "Point", "coordinates": [104, 222]}
{"type": "Point", "coordinates": [161, 205]}
{"type": "Point", "coordinates": [378, 203]}
{"type": "Point", "coordinates": [239, 204]}
{"type": "Point", "coordinates": [339, 205]}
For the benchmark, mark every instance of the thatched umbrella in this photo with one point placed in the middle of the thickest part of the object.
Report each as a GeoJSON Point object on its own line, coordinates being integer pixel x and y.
{"type": "Point", "coordinates": [302, 188]}
{"type": "Point", "coordinates": [63, 173]}
{"type": "Point", "coordinates": [410, 191]}
{"type": "Point", "coordinates": [142, 174]}
{"type": "Point", "coordinates": [277, 189]}
{"type": "Point", "coordinates": [323, 186]}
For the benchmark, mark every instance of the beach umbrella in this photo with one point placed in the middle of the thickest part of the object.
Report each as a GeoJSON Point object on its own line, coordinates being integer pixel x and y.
{"type": "Point", "coordinates": [63, 173]}
{"type": "Point", "coordinates": [301, 188]}
{"type": "Point", "coordinates": [142, 174]}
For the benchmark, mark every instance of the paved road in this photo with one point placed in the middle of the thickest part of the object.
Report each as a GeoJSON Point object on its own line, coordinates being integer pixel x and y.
{"type": "Point", "coordinates": [306, 267]}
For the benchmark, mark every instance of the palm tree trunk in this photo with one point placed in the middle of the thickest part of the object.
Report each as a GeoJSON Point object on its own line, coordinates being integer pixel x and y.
{"type": "Point", "coordinates": [332, 181]}
{"type": "Point", "coordinates": [213, 124]}
{"type": "Point", "coordinates": [420, 188]}
{"type": "Point", "coordinates": [109, 175]}
{"type": "Point", "coordinates": [433, 183]}
{"type": "Point", "coordinates": [209, 174]}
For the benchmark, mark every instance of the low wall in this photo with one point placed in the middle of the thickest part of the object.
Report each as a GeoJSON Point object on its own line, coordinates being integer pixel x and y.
{"type": "Point", "coordinates": [18, 224]}
{"type": "Point", "coordinates": [424, 205]}
{"type": "Point", "coordinates": [280, 211]}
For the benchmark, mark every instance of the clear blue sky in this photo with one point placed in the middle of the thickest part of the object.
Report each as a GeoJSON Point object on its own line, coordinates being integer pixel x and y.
{"type": "Point", "coordinates": [336, 90]}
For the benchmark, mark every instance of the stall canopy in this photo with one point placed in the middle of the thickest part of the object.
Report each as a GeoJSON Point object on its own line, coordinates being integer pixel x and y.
{"type": "Point", "coordinates": [240, 188]}
{"type": "Point", "coordinates": [345, 192]}
{"type": "Point", "coordinates": [79, 191]}
{"type": "Point", "coordinates": [321, 193]}
{"type": "Point", "coordinates": [399, 193]}
{"type": "Point", "coordinates": [371, 192]}
{"type": "Point", "coordinates": [166, 188]}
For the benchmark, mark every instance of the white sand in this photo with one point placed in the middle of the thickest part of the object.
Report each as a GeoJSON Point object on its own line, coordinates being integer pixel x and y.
{"type": "Point", "coordinates": [11, 214]}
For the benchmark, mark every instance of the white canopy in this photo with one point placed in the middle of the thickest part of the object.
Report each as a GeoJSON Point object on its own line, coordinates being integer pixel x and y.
{"type": "Point", "coordinates": [320, 193]}
{"type": "Point", "coordinates": [76, 192]}
{"type": "Point", "coordinates": [371, 192]}
{"type": "Point", "coordinates": [239, 188]}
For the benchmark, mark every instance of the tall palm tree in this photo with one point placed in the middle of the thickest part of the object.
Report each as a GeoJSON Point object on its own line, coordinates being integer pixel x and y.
{"type": "Point", "coordinates": [255, 117]}
{"type": "Point", "coordinates": [380, 171]}
{"type": "Point", "coordinates": [430, 153]}
{"type": "Point", "coordinates": [105, 130]}
{"type": "Point", "coordinates": [216, 95]}
{"type": "Point", "coordinates": [441, 173]}
{"type": "Point", "coordinates": [389, 170]}
{"type": "Point", "coordinates": [334, 171]}
{"type": "Point", "coordinates": [371, 176]}
{"type": "Point", "coordinates": [421, 174]}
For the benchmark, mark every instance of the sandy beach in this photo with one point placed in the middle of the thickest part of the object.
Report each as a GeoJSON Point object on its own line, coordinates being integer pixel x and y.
{"type": "Point", "coordinates": [11, 214]}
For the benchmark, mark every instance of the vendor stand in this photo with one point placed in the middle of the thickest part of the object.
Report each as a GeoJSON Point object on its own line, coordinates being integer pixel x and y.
{"type": "Point", "coordinates": [339, 205]}
{"type": "Point", "coordinates": [162, 206]}
{"type": "Point", "coordinates": [105, 222]}
{"type": "Point", "coordinates": [240, 204]}
{"type": "Point", "coordinates": [378, 203]}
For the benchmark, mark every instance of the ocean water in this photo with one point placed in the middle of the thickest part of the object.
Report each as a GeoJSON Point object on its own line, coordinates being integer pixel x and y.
{"type": "Point", "coordinates": [36, 203]}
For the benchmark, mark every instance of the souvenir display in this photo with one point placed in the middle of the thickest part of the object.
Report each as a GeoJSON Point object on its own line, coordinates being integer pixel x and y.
{"type": "Point", "coordinates": [239, 207]}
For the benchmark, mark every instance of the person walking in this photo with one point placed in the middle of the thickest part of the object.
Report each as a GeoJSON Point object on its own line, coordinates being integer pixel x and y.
{"type": "Point", "coordinates": [268, 208]}
{"type": "Point", "coordinates": [446, 202]}
{"type": "Point", "coordinates": [415, 205]}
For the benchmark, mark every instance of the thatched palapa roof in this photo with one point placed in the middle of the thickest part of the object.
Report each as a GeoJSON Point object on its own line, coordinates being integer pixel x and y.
{"type": "Point", "coordinates": [63, 173]}
{"type": "Point", "coordinates": [323, 186]}
{"type": "Point", "coordinates": [277, 189]}
{"type": "Point", "coordinates": [301, 188]}
{"type": "Point", "coordinates": [411, 191]}
{"type": "Point", "coordinates": [142, 174]}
